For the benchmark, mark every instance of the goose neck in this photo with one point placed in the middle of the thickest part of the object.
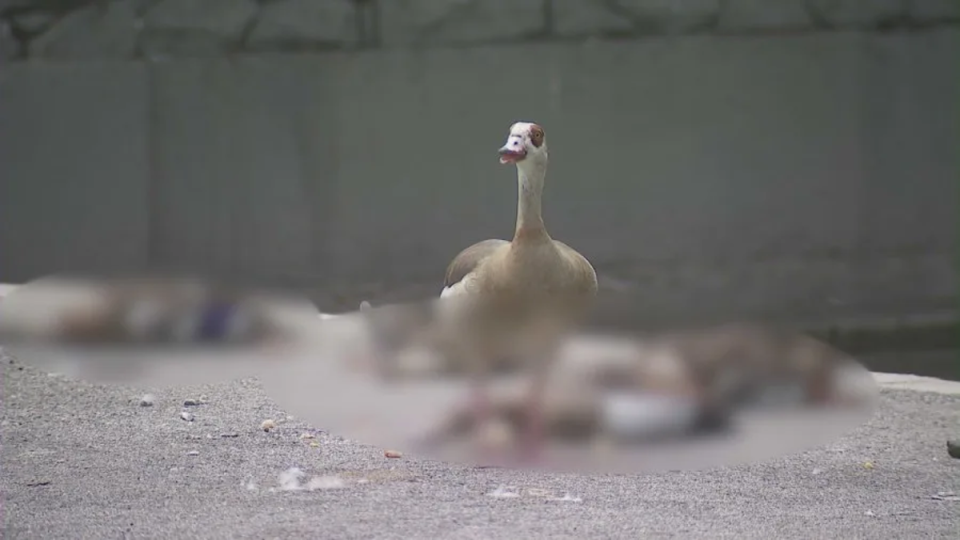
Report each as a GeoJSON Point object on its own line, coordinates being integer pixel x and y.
{"type": "Point", "coordinates": [530, 179]}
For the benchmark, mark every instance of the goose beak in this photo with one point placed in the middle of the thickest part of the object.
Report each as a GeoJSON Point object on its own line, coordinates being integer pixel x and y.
{"type": "Point", "coordinates": [512, 152]}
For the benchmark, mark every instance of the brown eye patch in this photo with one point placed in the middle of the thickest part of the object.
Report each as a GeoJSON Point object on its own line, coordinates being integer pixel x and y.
{"type": "Point", "coordinates": [536, 135]}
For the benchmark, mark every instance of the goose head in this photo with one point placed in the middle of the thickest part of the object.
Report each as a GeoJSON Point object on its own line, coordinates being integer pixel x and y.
{"type": "Point", "coordinates": [526, 145]}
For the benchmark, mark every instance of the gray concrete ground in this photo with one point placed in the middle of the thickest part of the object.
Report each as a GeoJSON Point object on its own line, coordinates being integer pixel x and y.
{"type": "Point", "coordinates": [83, 461]}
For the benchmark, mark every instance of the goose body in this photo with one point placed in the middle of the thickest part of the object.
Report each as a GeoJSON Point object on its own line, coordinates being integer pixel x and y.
{"type": "Point", "coordinates": [526, 292]}
{"type": "Point", "coordinates": [533, 265]}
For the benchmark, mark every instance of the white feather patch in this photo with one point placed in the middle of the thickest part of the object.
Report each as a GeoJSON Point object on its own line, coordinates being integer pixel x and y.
{"type": "Point", "coordinates": [459, 288]}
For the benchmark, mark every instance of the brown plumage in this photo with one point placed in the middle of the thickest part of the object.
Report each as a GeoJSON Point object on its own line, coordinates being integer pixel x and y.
{"type": "Point", "coordinates": [468, 260]}
{"type": "Point", "coordinates": [519, 297]}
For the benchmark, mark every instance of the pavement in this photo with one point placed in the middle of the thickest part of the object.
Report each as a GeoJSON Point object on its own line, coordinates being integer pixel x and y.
{"type": "Point", "coordinates": [88, 461]}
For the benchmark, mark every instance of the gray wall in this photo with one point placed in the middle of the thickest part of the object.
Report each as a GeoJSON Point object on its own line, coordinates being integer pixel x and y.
{"type": "Point", "coordinates": [803, 173]}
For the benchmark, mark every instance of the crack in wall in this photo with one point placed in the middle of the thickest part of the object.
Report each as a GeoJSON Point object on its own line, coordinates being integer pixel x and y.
{"type": "Point", "coordinates": [28, 21]}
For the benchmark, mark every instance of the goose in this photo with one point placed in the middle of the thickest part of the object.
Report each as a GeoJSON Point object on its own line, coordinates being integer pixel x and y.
{"type": "Point", "coordinates": [524, 293]}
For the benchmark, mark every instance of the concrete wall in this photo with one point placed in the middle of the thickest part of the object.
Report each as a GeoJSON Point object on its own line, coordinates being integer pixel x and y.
{"type": "Point", "coordinates": [723, 172]}
{"type": "Point", "coordinates": [74, 167]}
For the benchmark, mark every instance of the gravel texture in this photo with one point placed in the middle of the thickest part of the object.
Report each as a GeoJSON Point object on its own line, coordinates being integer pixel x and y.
{"type": "Point", "coordinates": [84, 461]}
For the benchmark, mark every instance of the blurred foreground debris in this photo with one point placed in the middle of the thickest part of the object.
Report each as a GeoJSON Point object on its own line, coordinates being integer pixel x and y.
{"type": "Point", "coordinates": [133, 330]}
{"type": "Point", "coordinates": [162, 310]}
{"type": "Point", "coordinates": [390, 376]}
{"type": "Point", "coordinates": [619, 386]}
{"type": "Point", "coordinates": [615, 401]}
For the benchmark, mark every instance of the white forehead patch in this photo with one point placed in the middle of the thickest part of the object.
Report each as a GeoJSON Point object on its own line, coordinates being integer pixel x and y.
{"type": "Point", "coordinates": [521, 128]}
